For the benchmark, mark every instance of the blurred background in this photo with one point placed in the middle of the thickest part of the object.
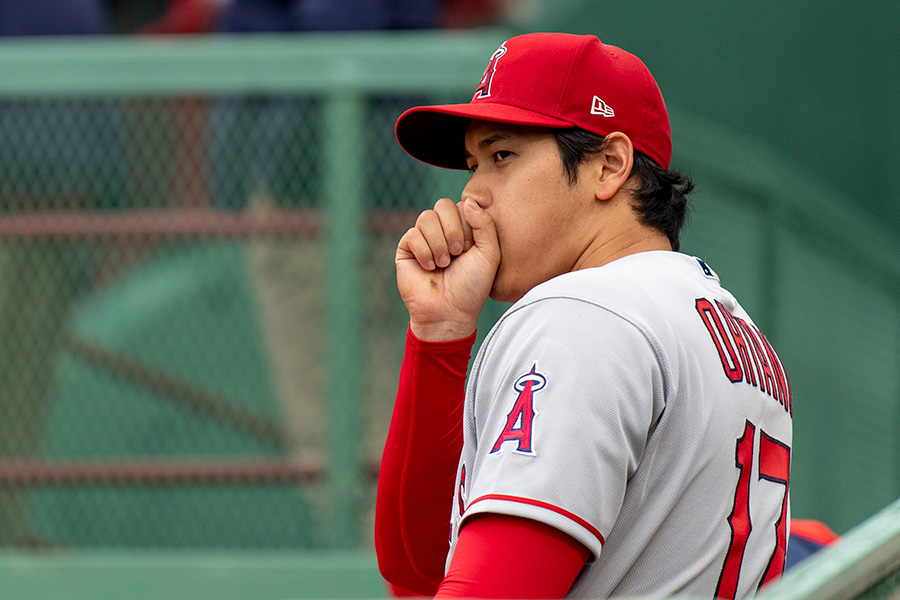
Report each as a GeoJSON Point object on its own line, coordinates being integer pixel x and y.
{"type": "Point", "coordinates": [200, 201]}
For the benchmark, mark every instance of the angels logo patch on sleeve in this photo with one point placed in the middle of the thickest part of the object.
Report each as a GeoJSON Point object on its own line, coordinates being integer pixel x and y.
{"type": "Point", "coordinates": [519, 427]}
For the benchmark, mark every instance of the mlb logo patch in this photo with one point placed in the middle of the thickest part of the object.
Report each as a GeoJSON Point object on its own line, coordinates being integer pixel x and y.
{"type": "Point", "coordinates": [707, 272]}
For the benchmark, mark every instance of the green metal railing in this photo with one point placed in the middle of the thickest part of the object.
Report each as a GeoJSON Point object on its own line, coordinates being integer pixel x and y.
{"type": "Point", "coordinates": [318, 63]}
{"type": "Point", "coordinates": [865, 564]}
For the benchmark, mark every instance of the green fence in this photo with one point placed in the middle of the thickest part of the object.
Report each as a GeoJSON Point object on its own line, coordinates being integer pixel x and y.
{"type": "Point", "coordinates": [200, 330]}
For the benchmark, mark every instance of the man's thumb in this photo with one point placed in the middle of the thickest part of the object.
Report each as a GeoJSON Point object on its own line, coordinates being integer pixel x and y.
{"type": "Point", "coordinates": [483, 231]}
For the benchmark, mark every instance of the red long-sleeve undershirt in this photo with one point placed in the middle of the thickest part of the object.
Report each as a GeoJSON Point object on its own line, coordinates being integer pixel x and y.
{"type": "Point", "coordinates": [418, 467]}
{"type": "Point", "coordinates": [496, 556]}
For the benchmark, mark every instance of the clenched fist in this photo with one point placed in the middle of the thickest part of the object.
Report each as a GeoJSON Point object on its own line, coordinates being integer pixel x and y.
{"type": "Point", "coordinates": [445, 269]}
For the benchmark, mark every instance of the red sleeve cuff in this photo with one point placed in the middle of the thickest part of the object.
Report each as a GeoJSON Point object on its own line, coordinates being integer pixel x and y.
{"type": "Point", "coordinates": [499, 556]}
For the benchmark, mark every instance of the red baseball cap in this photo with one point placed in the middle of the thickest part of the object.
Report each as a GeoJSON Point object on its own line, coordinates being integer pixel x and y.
{"type": "Point", "coordinates": [555, 80]}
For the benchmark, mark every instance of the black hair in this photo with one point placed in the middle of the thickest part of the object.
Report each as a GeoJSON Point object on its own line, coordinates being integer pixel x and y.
{"type": "Point", "coordinates": [661, 198]}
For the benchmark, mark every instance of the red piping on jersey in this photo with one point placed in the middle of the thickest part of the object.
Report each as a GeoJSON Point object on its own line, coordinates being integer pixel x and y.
{"type": "Point", "coordinates": [556, 509]}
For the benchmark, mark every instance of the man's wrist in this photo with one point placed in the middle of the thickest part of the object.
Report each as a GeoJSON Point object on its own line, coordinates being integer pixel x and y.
{"type": "Point", "coordinates": [441, 332]}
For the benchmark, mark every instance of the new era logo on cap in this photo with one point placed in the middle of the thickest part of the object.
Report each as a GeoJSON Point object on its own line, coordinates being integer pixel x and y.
{"type": "Point", "coordinates": [599, 107]}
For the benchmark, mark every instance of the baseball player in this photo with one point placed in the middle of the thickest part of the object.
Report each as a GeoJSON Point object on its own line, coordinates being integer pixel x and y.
{"type": "Point", "coordinates": [626, 427]}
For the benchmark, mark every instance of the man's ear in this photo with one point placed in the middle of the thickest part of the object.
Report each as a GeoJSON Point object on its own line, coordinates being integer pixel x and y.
{"type": "Point", "coordinates": [611, 168]}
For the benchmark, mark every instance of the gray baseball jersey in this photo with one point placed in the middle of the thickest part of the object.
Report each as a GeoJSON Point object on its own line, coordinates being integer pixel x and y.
{"type": "Point", "coordinates": [637, 408]}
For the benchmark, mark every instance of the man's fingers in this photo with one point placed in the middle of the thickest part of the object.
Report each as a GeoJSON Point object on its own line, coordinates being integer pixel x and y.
{"type": "Point", "coordinates": [432, 229]}
{"type": "Point", "coordinates": [452, 224]}
{"type": "Point", "coordinates": [413, 245]}
{"type": "Point", "coordinates": [448, 230]}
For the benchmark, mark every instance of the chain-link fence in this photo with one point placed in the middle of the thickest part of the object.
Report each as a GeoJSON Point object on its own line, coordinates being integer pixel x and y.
{"type": "Point", "coordinates": [179, 326]}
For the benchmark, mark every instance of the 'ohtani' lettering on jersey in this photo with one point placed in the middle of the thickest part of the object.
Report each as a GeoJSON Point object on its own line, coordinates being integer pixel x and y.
{"type": "Point", "coordinates": [745, 353]}
{"type": "Point", "coordinates": [519, 425]}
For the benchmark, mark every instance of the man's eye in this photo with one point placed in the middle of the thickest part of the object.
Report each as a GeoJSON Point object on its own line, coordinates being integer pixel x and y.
{"type": "Point", "coordinates": [501, 155]}
{"type": "Point", "coordinates": [473, 167]}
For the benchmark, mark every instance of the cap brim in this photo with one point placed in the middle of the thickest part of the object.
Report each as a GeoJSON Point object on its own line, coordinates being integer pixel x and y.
{"type": "Point", "coordinates": [436, 134]}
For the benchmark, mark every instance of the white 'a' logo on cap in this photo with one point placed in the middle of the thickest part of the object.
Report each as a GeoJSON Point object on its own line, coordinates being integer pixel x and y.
{"type": "Point", "coordinates": [599, 107]}
{"type": "Point", "coordinates": [484, 87]}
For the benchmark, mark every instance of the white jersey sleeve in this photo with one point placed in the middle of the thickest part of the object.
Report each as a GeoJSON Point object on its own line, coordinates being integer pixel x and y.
{"type": "Point", "coordinates": [562, 419]}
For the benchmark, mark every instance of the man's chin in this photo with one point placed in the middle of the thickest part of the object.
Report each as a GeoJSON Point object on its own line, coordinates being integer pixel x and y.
{"type": "Point", "coordinates": [501, 293]}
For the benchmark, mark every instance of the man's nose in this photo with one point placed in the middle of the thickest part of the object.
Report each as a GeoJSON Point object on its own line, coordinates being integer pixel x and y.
{"type": "Point", "coordinates": [476, 189]}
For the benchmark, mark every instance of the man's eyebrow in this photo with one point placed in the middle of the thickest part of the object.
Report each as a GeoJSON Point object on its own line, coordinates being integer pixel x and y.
{"type": "Point", "coordinates": [488, 141]}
